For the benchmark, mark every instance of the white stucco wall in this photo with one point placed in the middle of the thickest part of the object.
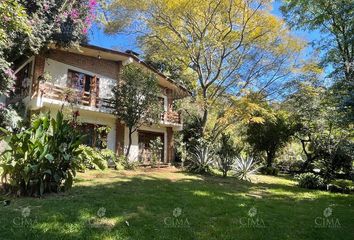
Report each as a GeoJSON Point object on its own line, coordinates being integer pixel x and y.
{"type": "Point", "coordinates": [59, 71]}
{"type": "Point", "coordinates": [59, 74]}
{"type": "Point", "coordinates": [134, 149]}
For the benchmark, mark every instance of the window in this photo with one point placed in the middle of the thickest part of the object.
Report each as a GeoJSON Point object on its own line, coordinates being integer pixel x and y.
{"type": "Point", "coordinates": [22, 82]}
{"type": "Point", "coordinates": [94, 137]}
{"type": "Point", "coordinates": [83, 82]}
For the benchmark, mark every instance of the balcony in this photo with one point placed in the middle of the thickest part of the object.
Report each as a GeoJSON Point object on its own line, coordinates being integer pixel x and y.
{"type": "Point", "coordinates": [171, 117]}
{"type": "Point", "coordinates": [74, 96]}
{"type": "Point", "coordinates": [64, 94]}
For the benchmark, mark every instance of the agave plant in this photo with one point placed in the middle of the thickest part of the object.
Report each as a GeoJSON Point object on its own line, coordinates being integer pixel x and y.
{"type": "Point", "coordinates": [202, 156]}
{"type": "Point", "coordinates": [244, 167]}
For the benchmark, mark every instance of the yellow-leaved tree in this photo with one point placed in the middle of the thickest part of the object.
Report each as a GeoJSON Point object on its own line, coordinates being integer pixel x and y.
{"type": "Point", "coordinates": [229, 45]}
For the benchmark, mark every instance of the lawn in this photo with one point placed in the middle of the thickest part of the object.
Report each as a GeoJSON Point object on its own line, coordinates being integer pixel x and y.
{"type": "Point", "coordinates": [168, 204]}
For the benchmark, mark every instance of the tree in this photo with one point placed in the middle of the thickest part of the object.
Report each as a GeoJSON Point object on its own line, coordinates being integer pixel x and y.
{"type": "Point", "coordinates": [227, 153]}
{"type": "Point", "coordinates": [26, 27]}
{"type": "Point", "coordinates": [136, 99]}
{"type": "Point", "coordinates": [228, 45]}
{"type": "Point", "coordinates": [270, 135]}
{"type": "Point", "coordinates": [13, 21]}
{"type": "Point", "coordinates": [335, 19]}
{"type": "Point", "coordinates": [325, 140]}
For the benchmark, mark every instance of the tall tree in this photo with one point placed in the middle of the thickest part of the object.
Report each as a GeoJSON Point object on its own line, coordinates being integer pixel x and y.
{"type": "Point", "coordinates": [229, 45]}
{"type": "Point", "coordinates": [335, 19]}
{"type": "Point", "coordinates": [270, 135]}
{"type": "Point", "coordinates": [136, 99]}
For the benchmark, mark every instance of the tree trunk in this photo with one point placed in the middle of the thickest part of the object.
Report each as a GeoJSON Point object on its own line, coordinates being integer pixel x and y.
{"type": "Point", "coordinates": [204, 120]}
{"type": "Point", "coordinates": [129, 143]}
{"type": "Point", "coordinates": [224, 173]}
{"type": "Point", "coordinates": [205, 112]}
{"type": "Point", "coordinates": [270, 156]}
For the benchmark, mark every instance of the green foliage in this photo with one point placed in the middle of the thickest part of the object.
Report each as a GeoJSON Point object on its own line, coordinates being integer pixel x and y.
{"type": "Point", "coordinates": [334, 155]}
{"type": "Point", "coordinates": [124, 163]}
{"type": "Point", "coordinates": [269, 170]}
{"type": "Point", "coordinates": [334, 19]}
{"type": "Point", "coordinates": [93, 158]}
{"type": "Point", "coordinates": [270, 136]}
{"type": "Point", "coordinates": [310, 181]}
{"type": "Point", "coordinates": [26, 27]}
{"type": "Point", "coordinates": [341, 185]}
{"type": "Point", "coordinates": [181, 149]}
{"type": "Point", "coordinates": [226, 153]}
{"type": "Point", "coordinates": [42, 158]}
{"type": "Point", "coordinates": [9, 118]}
{"type": "Point", "coordinates": [244, 168]}
{"type": "Point", "coordinates": [136, 99]}
{"type": "Point", "coordinates": [156, 148]}
{"type": "Point", "coordinates": [13, 21]}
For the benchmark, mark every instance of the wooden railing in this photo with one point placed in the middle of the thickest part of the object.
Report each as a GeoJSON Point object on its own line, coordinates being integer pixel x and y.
{"type": "Point", "coordinates": [171, 117]}
{"type": "Point", "coordinates": [75, 96]}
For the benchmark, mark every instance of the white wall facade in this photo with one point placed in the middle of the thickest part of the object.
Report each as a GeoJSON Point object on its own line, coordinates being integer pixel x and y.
{"type": "Point", "coordinates": [59, 74]}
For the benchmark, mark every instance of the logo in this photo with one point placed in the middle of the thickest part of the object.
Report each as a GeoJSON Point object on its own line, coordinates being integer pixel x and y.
{"type": "Point", "coordinates": [25, 220]}
{"type": "Point", "coordinates": [101, 212]}
{"type": "Point", "coordinates": [327, 221]}
{"type": "Point", "coordinates": [99, 221]}
{"type": "Point", "coordinates": [177, 220]}
{"type": "Point", "coordinates": [26, 212]}
{"type": "Point", "coordinates": [252, 221]}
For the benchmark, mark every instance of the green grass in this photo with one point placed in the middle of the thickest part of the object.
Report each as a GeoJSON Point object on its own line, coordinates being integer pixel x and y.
{"type": "Point", "coordinates": [212, 208]}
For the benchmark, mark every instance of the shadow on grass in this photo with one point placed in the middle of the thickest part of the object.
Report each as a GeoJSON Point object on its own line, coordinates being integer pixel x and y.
{"type": "Point", "coordinates": [149, 207]}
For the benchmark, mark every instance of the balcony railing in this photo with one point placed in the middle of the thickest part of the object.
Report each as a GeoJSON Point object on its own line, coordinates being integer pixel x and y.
{"type": "Point", "coordinates": [74, 96]}
{"type": "Point", "coordinates": [71, 95]}
{"type": "Point", "coordinates": [171, 117]}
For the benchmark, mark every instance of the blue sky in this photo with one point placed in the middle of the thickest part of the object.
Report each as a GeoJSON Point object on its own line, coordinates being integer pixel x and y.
{"type": "Point", "coordinates": [124, 42]}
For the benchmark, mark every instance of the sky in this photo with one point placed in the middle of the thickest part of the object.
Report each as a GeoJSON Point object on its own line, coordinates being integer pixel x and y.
{"type": "Point", "coordinates": [125, 42]}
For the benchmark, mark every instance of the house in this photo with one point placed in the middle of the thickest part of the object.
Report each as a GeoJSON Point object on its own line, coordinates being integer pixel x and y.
{"type": "Point", "coordinates": [88, 75]}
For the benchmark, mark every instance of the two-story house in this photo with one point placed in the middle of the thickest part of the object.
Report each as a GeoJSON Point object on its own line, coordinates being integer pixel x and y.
{"type": "Point", "coordinates": [88, 75]}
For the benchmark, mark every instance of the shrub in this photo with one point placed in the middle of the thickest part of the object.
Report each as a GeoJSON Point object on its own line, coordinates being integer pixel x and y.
{"type": "Point", "coordinates": [202, 156]}
{"type": "Point", "coordinates": [310, 181]}
{"type": "Point", "coordinates": [93, 158]}
{"type": "Point", "coordinates": [341, 186]}
{"type": "Point", "coordinates": [156, 147]}
{"type": "Point", "coordinates": [244, 168]}
{"type": "Point", "coordinates": [41, 158]}
{"type": "Point", "coordinates": [226, 154]}
{"type": "Point", "coordinates": [269, 170]}
{"type": "Point", "coordinates": [122, 162]}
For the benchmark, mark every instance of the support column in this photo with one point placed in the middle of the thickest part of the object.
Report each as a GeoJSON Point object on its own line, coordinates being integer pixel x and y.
{"type": "Point", "coordinates": [169, 100]}
{"type": "Point", "coordinates": [120, 132]}
{"type": "Point", "coordinates": [170, 145]}
{"type": "Point", "coordinates": [39, 63]}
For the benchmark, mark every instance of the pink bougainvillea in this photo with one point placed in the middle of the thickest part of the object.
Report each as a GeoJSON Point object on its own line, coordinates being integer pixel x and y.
{"type": "Point", "coordinates": [10, 73]}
